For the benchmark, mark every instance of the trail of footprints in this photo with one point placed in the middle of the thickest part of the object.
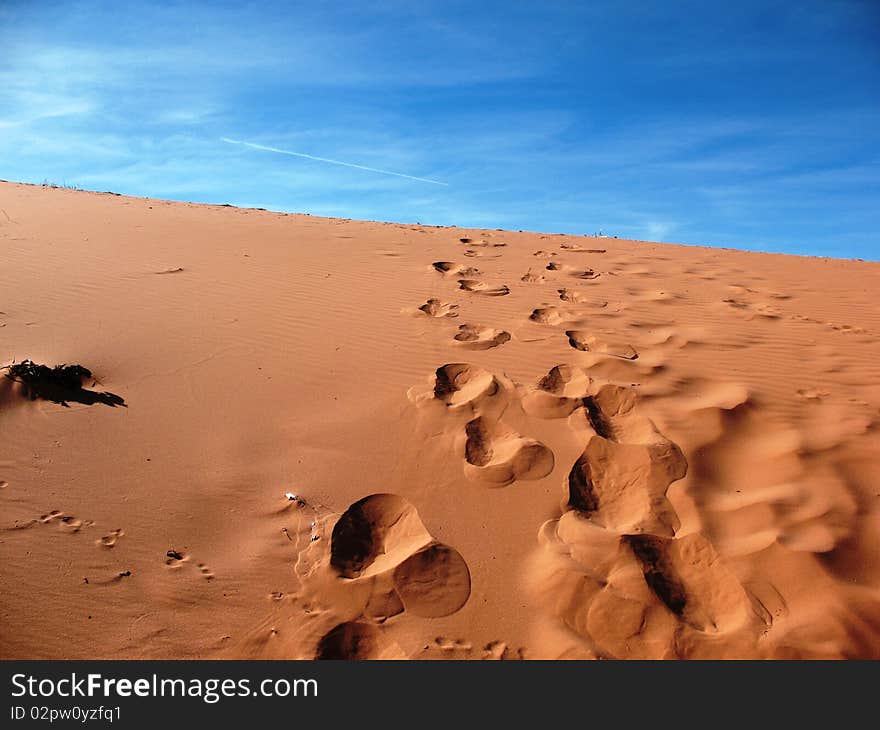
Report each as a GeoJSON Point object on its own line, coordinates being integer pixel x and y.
{"type": "Point", "coordinates": [446, 648]}
{"type": "Point", "coordinates": [65, 522]}
{"type": "Point", "coordinates": [480, 337]}
{"type": "Point", "coordinates": [623, 579]}
{"type": "Point", "coordinates": [619, 574]}
{"type": "Point", "coordinates": [741, 300]}
{"type": "Point", "coordinates": [177, 560]}
{"type": "Point", "coordinates": [752, 304]}
{"type": "Point", "coordinates": [614, 570]}
{"type": "Point", "coordinates": [72, 525]}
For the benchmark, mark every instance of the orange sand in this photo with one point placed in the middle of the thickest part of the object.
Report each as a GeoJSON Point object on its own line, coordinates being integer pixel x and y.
{"type": "Point", "coordinates": [515, 445]}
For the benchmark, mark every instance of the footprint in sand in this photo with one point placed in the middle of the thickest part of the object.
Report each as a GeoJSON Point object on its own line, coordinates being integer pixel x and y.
{"type": "Point", "coordinates": [658, 338]}
{"type": "Point", "coordinates": [500, 651]}
{"type": "Point", "coordinates": [497, 455]}
{"type": "Point", "coordinates": [480, 287]}
{"type": "Point", "coordinates": [453, 644]}
{"type": "Point", "coordinates": [572, 296]}
{"type": "Point", "coordinates": [805, 393]}
{"type": "Point", "coordinates": [445, 648]}
{"type": "Point", "coordinates": [749, 309]}
{"type": "Point", "coordinates": [449, 268]}
{"type": "Point", "coordinates": [531, 278]}
{"type": "Point", "coordinates": [71, 524]}
{"type": "Point", "coordinates": [585, 341]}
{"type": "Point", "coordinates": [176, 559]}
{"type": "Point", "coordinates": [481, 243]}
{"type": "Point", "coordinates": [433, 582]}
{"type": "Point", "coordinates": [438, 308]}
{"type": "Point", "coordinates": [548, 315]}
{"type": "Point", "coordinates": [477, 337]}
{"type": "Point", "coordinates": [68, 523]}
{"type": "Point", "coordinates": [688, 578]}
{"type": "Point", "coordinates": [559, 393]}
{"type": "Point", "coordinates": [350, 640]}
{"type": "Point", "coordinates": [621, 478]}
{"type": "Point", "coordinates": [110, 539]}
{"type": "Point", "coordinates": [461, 384]}
{"type": "Point", "coordinates": [586, 274]}
{"type": "Point", "coordinates": [481, 252]}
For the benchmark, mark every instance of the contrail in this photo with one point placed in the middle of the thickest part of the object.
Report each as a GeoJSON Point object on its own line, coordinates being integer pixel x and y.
{"type": "Point", "coordinates": [325, 159]}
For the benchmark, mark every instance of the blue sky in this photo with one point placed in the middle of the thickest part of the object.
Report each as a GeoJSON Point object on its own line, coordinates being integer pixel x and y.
{"type": "Point", "coordinates": [755, 126]}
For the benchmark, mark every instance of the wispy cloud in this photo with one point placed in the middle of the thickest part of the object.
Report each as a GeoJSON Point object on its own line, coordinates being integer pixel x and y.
{"type": "Point", "coordinates": [265, 148]}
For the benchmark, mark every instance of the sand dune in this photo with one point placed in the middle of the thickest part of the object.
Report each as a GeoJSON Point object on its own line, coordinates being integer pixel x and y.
{"type": "Point", "coordinates": [305, 437]}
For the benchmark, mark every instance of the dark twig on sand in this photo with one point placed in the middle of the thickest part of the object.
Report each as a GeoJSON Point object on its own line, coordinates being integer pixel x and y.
{"type": "Point", "coordinates": [60, 384]}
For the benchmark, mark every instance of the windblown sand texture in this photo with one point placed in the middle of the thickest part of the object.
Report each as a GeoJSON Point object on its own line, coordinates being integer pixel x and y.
{"type": "Point", "coordinates": [346, 439]}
